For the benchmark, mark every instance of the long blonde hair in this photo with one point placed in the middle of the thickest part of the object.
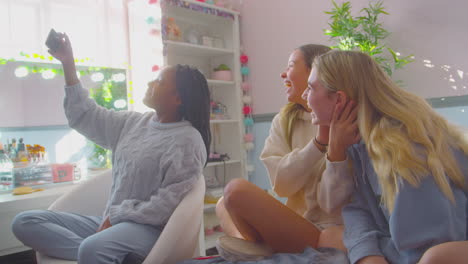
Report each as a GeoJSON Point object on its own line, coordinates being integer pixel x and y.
{"type": "Point", "coordinates": [406, 139]}
{"type": "Point", "coordinates": [291, 112]}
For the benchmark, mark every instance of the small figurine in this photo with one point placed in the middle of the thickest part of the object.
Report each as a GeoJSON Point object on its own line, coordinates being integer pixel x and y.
{"type": "Point", "coordinates": [172, 30]}
{"type": "Point", "coordinates": [13, 153]}
{"type": "Point", "coordinates": [218, 111]}
{"type": "Point", "coordinates": [21, 146]}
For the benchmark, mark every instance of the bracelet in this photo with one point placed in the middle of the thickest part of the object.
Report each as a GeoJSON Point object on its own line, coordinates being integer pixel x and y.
{"type": "Point", "coordinates": [317, 142]}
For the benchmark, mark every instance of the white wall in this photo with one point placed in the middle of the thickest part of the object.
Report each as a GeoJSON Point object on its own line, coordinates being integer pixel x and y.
{"type": "Point", "coordinates": [430, 29]}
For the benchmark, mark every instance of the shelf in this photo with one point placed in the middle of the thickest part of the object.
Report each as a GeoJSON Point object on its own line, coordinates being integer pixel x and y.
{"type": "Point", "coordinates": [220, 83]}
{"type": "Point", "coordinates": [227, 121]}
{"type": "Point", "coordinates": [57, 190]}
{"type": "Point", "coordinates": [220, 163]}
{"type": "Point", "coordinates": [215, 189]}
{"type": "Point", "coordinates": [188, 18]}
{"type": "Point", "coordinates": [210, 241]}
{"type": "Point", "coordinates": [35, 128]}
{"type": "Point", "coordinates": [183, 48]}
{"type": "Point", "coordinates": [212, 6]}
{"type": "Point", "coordinates": [210, 207]}
{"type": "Point", "coordinates": [217, 192]}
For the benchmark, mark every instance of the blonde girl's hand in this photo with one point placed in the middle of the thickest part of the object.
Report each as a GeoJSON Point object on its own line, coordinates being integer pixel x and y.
{"type": "Point", "coordinates": [344, 130]}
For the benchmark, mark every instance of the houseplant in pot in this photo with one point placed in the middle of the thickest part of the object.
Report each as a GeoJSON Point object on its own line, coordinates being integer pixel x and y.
{"type": "Point", "coordinates": [222, 73]}
{"type": "Point", "coordinates": [365, 33]}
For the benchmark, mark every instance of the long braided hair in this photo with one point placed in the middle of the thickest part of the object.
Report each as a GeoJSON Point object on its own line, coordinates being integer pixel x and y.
{"type": "Point", "coordinates": [195, 96]}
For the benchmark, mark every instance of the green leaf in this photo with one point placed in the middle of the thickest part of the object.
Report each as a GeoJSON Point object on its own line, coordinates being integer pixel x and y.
{"type": "Point", "coordinates": [363, 32]}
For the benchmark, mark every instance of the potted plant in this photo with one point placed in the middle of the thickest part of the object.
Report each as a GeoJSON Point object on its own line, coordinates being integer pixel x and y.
{"type": "Point", "coordinates": [365, 33]}
{"type": "Point", "coordinates": [222, 73]}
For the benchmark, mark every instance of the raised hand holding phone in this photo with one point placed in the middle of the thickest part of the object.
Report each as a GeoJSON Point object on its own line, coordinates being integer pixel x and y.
{"type": "Point", "coordinates": [53, 40]}
{"type": "Point", "coordinates": [60, 48]}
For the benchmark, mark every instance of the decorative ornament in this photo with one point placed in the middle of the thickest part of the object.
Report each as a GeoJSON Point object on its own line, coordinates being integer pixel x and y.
{"type": "Point", "coordinates": [245, 70]}
{"type": "Point", "coordinates": [248, 122]}
{"type": "Point", "coordinates": [245, 86]}
{"type": "Point", "coordinates": [247, 110]}
{"type": "Point", "coordinates": [247, 99]}
{"type": "Point", "coordinates": [155, 32]}
{"type": "Point", "coordinates": [155, 68]}
{"type": "Point", "coordinates": [244, 59]}
{"type": "Point", "coordinates": [248, 137]}
{"type": "Point", "coordinates": [249, 146]}
{"type": "Point", "coordinates": [150, 20]}
{"type": "Point", "coordinates": [172, 30]}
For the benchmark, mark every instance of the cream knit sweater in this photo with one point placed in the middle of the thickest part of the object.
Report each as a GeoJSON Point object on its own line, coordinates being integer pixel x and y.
{"type": "Point", "coordinates": [298, 173]}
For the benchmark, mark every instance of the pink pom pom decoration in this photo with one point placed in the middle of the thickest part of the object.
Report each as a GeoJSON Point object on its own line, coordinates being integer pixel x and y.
{"type": "Point", "coordinates": [248, 137]}
{"type": "Point", "coordinates": [245, 86]}
{"type": "Point", "coordinates": [155, 68]}
{"type": "Point", "coordinates": [247, 110]}
{"type": "Point", "coordinates": [244, 59]}
{"type": "Point", "coordinates": [155, 32]}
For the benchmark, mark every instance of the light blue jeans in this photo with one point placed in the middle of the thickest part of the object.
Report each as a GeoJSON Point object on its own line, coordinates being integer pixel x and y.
{"type": "Point", "coordinates": [73, 237]}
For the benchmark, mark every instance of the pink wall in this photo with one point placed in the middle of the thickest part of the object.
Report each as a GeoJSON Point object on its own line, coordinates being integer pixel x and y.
{"type": "Point", "coordinates": [430, 29]}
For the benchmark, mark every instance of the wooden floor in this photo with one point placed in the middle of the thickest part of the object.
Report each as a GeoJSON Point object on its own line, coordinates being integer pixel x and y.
{"type": "Point", "coordinates": [26, 257]}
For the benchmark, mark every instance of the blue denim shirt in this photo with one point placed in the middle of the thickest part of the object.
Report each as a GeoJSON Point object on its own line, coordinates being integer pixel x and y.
{"type": "Point", "coordinates": [422, 217]}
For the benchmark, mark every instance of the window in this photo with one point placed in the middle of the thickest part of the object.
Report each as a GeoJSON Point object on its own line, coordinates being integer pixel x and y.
{"type": "Point", "coordinates": [95, 28]}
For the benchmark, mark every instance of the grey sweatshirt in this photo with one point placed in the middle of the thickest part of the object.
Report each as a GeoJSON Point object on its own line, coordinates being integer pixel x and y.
{"type": "Point", "coordinates": [422, 217]}
{"type": "Point", "coordinates": [154, 164]}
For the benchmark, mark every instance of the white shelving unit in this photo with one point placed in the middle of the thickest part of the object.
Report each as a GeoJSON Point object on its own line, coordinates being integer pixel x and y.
{"type": "Point", "coordinates": [211, 240]}
{"type": "Point", "coordinates": [224, 121]}
{"type": "Point", "coordinates": [209, 207]}
{"type": "Point", "coordinates": [193, 50]}
{"type": "Point", "coordinates": [227, 134]}
{"type": "Point", "coordinates": [212, 164]}
{"type": "Point", "coordinates": [221, 83]}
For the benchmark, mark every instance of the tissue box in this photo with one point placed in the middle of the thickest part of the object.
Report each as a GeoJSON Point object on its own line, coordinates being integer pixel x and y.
{"type": "Point", "coordinates": [62, 172]}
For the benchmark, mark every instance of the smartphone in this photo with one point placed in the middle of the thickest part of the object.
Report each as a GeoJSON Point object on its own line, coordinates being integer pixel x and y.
{"type": "Point", "coordinates": [53, 41]}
